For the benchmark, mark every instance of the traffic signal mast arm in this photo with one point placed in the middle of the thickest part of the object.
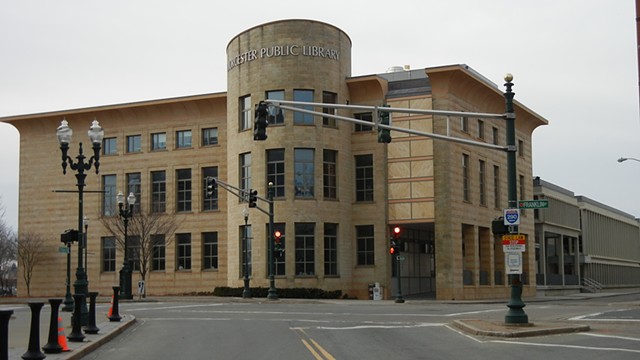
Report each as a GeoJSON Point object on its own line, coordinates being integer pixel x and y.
{"type": "Point", "coordinates": [241, 194]}
{"type": "Point", "coordinates": [282, 104]}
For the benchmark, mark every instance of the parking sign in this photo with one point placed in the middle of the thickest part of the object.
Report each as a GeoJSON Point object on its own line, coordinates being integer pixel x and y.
{"type": "Point", "coordinates": [511, 217]}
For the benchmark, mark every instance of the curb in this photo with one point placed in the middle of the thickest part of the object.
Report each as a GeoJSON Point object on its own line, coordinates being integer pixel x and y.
{"type": "Point", "coordinates": [499, 329]}
{"type": "Point", "coordinates": [93, 345]}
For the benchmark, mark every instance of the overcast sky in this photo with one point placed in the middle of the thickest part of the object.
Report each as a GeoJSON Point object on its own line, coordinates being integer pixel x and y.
{"type": "Point", "coordinates": [574, 62]}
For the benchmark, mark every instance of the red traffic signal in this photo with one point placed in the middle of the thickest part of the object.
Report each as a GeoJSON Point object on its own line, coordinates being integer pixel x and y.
{"type": "Point", "coordinates": [277, 235]}
{"type": "Point", "coordinates": [392, 250]}
{"type": "Point", "coordinates": [396, 232]}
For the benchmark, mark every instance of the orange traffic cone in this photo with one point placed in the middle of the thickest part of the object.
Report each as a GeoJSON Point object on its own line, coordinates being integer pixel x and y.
{"type": "Point", "coordinates": [62, 340]}
{"type": "Point", "coordinates": [110, 308]}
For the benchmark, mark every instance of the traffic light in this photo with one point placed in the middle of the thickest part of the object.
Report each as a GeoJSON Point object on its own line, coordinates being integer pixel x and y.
{"type": "Point", "coordinates": [396, 232]}
{"type": "Point", "coordinates": [261, 123]}
{"type": "Point", "coordinates": [68, 236]}
{"type": "Point", "coordinates": [210, 187]}
{"type": "Point", "coordinates": [384, 135]}
{"type": "Point", "coordinates": [394, 249]}
{"type": "Point", "coordinates": [278, 251]}
{"type": "Point", "coordinates": [253, 197]}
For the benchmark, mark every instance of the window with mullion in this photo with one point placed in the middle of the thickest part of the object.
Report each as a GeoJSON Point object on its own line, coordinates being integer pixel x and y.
{"type": "Point", "coordinates": [183, 251]}
{"type": "Point", "coordinates": [134, 143]}
{"type": "Point", "coordinates": [109, 206]}
{"type": "Point", "coordinates": [278, 113]}
{"type": "Point", "coordinates": [108, 254]}
{"type": "Point", "coordinates": [275, 171]}
{"type": "Point", "coordinates": [329, 98]}
{"type": "Point", "coordinates": [245, 113]}
{"type": "Point", "coordinates": [158, 192]}
{"type": "Point", "coordinates": [365, 117]}
{"type": "Point", "coordinates": [303, 169]}
{"type": "Point", "coordinates": [245, 173]}
{"type": "Point", "coordinates": [364, 238]}
{"type": "Point", "coordinates": [364, 178]}
{"type": "Point", "coordinates": [159, 141]}
{"type": "Point", "coordinates": [159, 255]}
{"type": "Point", "coordinates": [210, 250]}
{"type": "Point", "coordinates": [133, 186]}
{"type": "Point", "coordinates": [329, 174]}
{"type": "Point", "coordinates": [305, 249]}
{"type": "Point", "coordinates": [331, 249]}
{"type": "Point", "coordinates": [183, 190]}
{"type": "Point", "coordinates": [303, 96]}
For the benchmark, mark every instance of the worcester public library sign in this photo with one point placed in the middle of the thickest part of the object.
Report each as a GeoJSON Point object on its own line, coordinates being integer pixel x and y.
{"type": "Point", "coordinates": [283, 50]}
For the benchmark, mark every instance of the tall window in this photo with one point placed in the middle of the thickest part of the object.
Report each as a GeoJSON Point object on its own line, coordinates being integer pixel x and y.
{"type": "Point", "coordinates": [482, 182]}
{"type": "Point", "coordinates": [209, 136]}
{"type": "Point", "coordinates": [209, 202]}
{"type": "Point", "coordinates": [331, 249]}
{"type": "Point", "coordinates": [183, 190]}
{"type": "Point", "coordinates": [497, 202]}
{"type": "Point", "coordinates": [496, 134]}
{"type": "Point", "coordinates": [158, 191]}
{"type": "Point", "coordinates": [159, 141]}
{"type": "Point", "coordinates": [278, 114]}
{"type": "Point", "coordinates": [183, 243]}
{"type": "Point", "coordinates": [305, 253]}
{"type": "Point", "coordinates": [521, 148]}
{"type": "Point", "coordinates": [245, 248]}
{"type": "Point", "coordinates": [134, 252]}
{"type": "Point", "coordinates": [183, 139]}
{"type": "Point", "coordinates": [298, 117]}
{"type": "Point", "coordinates": [245, 171]}
{"type": "Point", "coordinates": [466, 182]}
{"type": "Point", "coordinates": [329, 174]}
{"type": "Point", "coordinates": [134, 143]}
{"type": "Point", "coordinates": [329, 98]}
{"type": "Point", "coordinates": [133, 186]}
{"type": "Point", "coordinates": [210, 250]}
{"type": "Point", "coordinates": [109, 146]}
{"type": "Point", "coordinates": [109, 195]}
{"type": "Point", "coordinates": [521, 184]}
{"type": "Point", "coordinates": [364, 238]}
{"type": "Point", "coordinates": [480, 129]}
{"type": "Point", "coordinates": [275, 171]}
{"type": "Point", "coordinates": [304, 177]}
{"type": "Point", "coordinates": [365, 117]}
{"type": "Point", "coordinates": [464, 124]}
{"type": "Point", "coordinates": [280, 263]}
{"type": "Point", "coordinates": [245, 113]}
{"type": "Point", "coordinates": [108, 254]}
{"type": "Point", "coordinates": [364, 177]}
{"type": "Point", "coordinates": [159, 255]}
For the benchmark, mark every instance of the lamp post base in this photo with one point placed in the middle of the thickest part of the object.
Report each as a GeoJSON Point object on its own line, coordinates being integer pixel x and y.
{"type": "Point", "coordinates": [516, 314]}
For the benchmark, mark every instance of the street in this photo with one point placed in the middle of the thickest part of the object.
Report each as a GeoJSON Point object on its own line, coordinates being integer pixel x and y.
{"type": "Point", "coordinates": [290, 329]}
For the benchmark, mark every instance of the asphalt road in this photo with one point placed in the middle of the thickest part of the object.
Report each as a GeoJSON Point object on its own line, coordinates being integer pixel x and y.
{"type": "Point", "coordinates": [367, 330]}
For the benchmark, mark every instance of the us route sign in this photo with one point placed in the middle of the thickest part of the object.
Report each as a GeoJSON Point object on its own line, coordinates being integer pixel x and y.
{"type": "Point", "coordinates": [533, 204]}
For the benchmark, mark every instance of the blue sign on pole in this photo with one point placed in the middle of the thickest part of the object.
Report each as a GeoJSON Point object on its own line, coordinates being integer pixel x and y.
{"type": "Point", "coordinates": [511, 217]}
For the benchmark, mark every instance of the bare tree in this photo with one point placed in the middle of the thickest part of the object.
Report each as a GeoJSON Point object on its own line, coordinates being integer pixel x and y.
{"type": "Point", "coordinates": [149, 234]}
{"type": "Point", "coordinates": [8, 254]}
{"type": "Point", "coordinates": [31, 252]}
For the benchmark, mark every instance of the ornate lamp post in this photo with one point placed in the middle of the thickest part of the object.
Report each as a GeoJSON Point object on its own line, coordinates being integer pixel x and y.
{"type": "Point", "coordinates": [64, 133]}
{"type": "Point", "coordinates": [126, 212]}
{"type": "Point", "coordinates": [246, 292]}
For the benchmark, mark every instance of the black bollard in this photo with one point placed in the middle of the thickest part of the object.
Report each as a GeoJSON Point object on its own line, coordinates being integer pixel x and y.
{"type": "Point", "coordinates": [115, 313]}
{"type": "Point", "coordinates": [53, 347]}
{"type": "Point", "coordinates": [5, 315]}
{"type": "Point", "coordinates": [91, 327]}
{"type": "Point", "coordinates": [33, 352]}
{"type": "Point", "coordinates": [76, 334]}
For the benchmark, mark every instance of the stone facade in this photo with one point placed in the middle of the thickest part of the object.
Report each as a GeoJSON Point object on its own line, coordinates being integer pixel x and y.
{"type": "Point", "coordinates": [336, 230]}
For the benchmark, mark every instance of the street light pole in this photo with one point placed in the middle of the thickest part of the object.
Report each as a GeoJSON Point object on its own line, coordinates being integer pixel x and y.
{"type": "Point", "coordinates": [273, 293]}
{"type": "Point", "coordinates": [64, 134]}
{"type": "Point", "coordinates": [126, 212]}
{"type": "Point", "coordinates": [85, 222]}
{"type": "Point", "coordinates": [68, 299]}
{"type": "Point", "coordinates": [515, 314]}
{"type": "Point", "coordinates": [246, 292]}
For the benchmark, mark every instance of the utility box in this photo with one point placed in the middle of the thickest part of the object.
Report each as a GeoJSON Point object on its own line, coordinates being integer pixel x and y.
{"type": "Point", "coordinates": [377, 292]}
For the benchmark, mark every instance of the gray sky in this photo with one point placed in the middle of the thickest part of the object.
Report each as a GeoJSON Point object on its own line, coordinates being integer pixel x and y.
{"type": "Point", "coordinates": [574, 62]}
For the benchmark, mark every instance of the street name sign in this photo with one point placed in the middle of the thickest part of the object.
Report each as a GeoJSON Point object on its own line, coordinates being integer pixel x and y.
{"type": "Point", "coordinates": [533, 204]}
{"type": "Point", "coordinates": [63, 250]}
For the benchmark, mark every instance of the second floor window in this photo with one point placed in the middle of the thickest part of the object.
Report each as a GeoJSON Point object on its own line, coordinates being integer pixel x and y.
{"type": "Point", "coordinates": [109, 206]}
{"type": "Point", "coordinates": [183, 190]}
{"type": "Point", "coordinates": [275, 171]}
{"type": "Point", "coordinates": [329, 174]}
{"type": "Point", "coordinates": [365, 117]}
{"type": "Point", "coordinates": [303, 173]}
{"type": "Point", "coordinates": [183, 139]}
{"type": "Point", "coordinates": [364, 177]}
{"type": "Point", "coordinates": [158, 191]}
{"type": "Point", "coordinates": [158, 141]}
{"type": "Point", "coordinates": [245, 171]}
{"type": "Point", "coordinates": [133, 186]}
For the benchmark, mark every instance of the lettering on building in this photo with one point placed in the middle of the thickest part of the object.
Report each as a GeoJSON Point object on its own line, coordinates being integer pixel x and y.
{"type": "Point", "coordinates": [283, 50]}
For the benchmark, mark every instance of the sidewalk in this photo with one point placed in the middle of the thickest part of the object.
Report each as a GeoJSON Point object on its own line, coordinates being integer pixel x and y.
{"type": "Point", "coordinates": [20, 328]}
